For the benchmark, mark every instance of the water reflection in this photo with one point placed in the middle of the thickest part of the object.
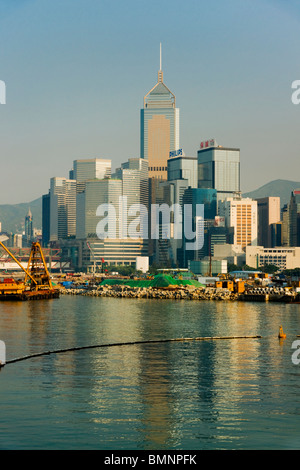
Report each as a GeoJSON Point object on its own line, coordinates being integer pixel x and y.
{"type": "Point", "coordinates": [185, 395]}
{"type": "Point", "coordinates": [158, 417]}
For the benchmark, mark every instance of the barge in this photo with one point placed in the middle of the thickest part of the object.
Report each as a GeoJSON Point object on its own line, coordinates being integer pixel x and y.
{"type": "Point", "coordinates": [37, 284]}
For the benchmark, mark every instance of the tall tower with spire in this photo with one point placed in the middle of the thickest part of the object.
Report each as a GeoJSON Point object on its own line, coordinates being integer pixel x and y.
{"type": "Point", "coordinates": [159, 127]}
{"type": "Point", "coordinates": [28, 227]}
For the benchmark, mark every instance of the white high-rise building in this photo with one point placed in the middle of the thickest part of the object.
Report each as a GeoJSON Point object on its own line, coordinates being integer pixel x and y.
{"type": "Point", "coordinates": [62, 208]}
{"type": "Point", "coordinates": [96, 193]}
{"type": "Point", "coordinates": [241, 213]}
{"type": "Point", "coordinates": [89, 169]}
{"type": "Point", "coordinates": [134, 177]}
{"type": "Point", "coordinates": [109, 245]}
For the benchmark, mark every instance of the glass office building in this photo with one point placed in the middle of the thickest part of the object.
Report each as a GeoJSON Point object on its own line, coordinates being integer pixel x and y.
{"type": "Point", "coordinates": [183, 167]}
{"type": "Point", "coordinates": [208, 197]}
{"type": "Point", "coordinates": [294, 209]}
{"type": "Point", "coordinates": [194, 196]}
{"type": "Point", "coordinates": [45, 219]}
{"type": "Point", "coordinates": [219, 168]}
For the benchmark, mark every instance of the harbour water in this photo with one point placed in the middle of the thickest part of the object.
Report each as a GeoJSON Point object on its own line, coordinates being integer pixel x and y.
{"type": "Point", "coordinates": [212, 394]}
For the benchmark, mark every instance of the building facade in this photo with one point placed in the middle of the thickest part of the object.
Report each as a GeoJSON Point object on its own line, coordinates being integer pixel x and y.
{"type": "Point", "coordinates": [286, 230]}
{"type": "Point", "coordinates": [134, 177]}
{"type": "Point", "coordinates": [28, 227]}
{"type": "Point", "coordinates": [112, 252]}
{"type": "Point", "coordinates": [219, 168]}
{"type": "Point", "coordinates": [98, 193]}
{"type": "Point", "coordinates": [45, 219]}
{"type": "Point", "coordinates": [241, 214]}
{"type": "Point", "coordinates": [194, 197]}
{"type": "Point", "coordinates": [102, 226]}
{"type": "Point", "coordinates": [268, 209]}
{"type": "Point", "coordinates": [295, 218]}
{"type": "Point", "coordinates": [62, 208]}
{"type": "Point", "coordinates": [183, 167]}
{"type": "Point", "coordinates": [89, 169]}
{"type": "Point", "coordinates": [208, 267]}
{"type": "Point", "coordinates": [282, 257]}
{"type": "Point", "coordinates": [234, 254]}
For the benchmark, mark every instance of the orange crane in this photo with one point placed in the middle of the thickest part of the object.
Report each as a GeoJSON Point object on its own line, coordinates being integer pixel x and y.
{"type": "Point", "coordinates": [37, 283]}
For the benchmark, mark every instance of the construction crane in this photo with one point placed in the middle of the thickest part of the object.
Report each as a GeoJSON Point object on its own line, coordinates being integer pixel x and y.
{"type": "Point", "coordinates": [37, 283]}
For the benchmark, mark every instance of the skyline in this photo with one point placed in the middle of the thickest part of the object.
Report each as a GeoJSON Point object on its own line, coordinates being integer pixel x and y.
{"type": "Point", "coordinates": [76, 78]}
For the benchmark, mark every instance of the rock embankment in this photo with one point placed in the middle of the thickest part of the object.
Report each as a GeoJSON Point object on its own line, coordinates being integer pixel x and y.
{"type": "Point", "coordinates": [184, 293]}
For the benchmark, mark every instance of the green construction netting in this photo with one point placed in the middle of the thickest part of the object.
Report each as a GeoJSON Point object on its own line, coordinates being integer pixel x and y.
{"type": "Point", "coordinates": [158, 281]}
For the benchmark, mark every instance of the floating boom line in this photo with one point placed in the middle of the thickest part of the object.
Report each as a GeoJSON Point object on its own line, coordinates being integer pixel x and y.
{"type": "Point", "coordinates": [95, 346]}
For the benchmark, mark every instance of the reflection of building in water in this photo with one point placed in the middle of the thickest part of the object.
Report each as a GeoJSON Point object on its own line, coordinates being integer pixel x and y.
{"type": "Point", "coordinates": [156, 383]}
{"type": "Point", "coordinates": [235, 361]}
{"type": "Point", "coordinates": [137, 377]}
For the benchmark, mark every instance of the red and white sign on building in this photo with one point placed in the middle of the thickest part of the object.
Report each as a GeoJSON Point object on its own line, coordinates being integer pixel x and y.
{"type": "Point", "coordinates": [208, 143]}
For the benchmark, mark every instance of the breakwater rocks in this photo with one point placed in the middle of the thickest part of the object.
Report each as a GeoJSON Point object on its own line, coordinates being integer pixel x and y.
{"type": "Point", "coordinates": [184, 293]}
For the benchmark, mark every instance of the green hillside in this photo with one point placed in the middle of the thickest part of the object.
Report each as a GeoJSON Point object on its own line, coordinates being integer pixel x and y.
{"type": "Point", "coordinates": [12, 216]}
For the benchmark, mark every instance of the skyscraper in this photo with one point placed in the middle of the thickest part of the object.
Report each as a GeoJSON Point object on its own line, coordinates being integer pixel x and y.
{"type": "Point", "coordinates": [46, 219]}
{"type": "Point", "coordinates": [89, 169]}
{"type": "Point", "coordinates": [159, 127]}
{"type": "Point", "coordinates": [219, 168]}
{"type": "Point", "coordinates": [241, 213]}
{"type": "Point", "coordinates": [97, 192]}
{"type": "Point", "coordinates": [268, 214]}
{"type": "Point", "coordinates": [182, 167]}
{"type": "Point", "coordinates": [286, 226]}
{"type": "Point", "coordinates": [295, 218]}
{"type": "Point", "coordinates": [194, 197]}
{"type": "Point", "coordinates": [28, 227]}
{"type": "Point", "coordinates": [134, 176]}
{"type": "Point", "coordinates": [62, 208]}
{"type": "Point", "coordinates": [106, 245]}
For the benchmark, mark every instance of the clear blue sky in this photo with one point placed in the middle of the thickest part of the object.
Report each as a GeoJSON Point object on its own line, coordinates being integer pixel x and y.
{"type": "Point", "coordinates": [76, 72]}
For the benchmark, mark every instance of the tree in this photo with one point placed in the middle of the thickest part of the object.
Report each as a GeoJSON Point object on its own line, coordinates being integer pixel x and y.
{"type": "Point", "coordinates": [248, 268]}
{"type": "Point", "coordinates": [269, 268]}
{"type": "Point", "coordinates": [232, 267]}
{"type": "Point", "coordinates": [125, 270]}
{"type": "Point", "coordinates": [292, 272]}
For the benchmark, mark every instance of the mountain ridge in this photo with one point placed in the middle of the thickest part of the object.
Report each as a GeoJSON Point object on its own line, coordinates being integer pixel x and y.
{"type": "Point", "coordinates": [12, 216]}
{"type": "Point", "coordinates": [276, 188]}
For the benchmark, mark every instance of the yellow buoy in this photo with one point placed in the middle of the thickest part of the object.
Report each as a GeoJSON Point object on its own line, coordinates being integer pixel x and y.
{"type": "Point", "coordinates": [281, 334]}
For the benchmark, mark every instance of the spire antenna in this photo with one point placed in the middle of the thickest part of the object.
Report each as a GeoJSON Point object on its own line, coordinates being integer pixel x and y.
{"type": "Point", "coordinates": [160, 58]}
{"type": "Point", "coordinates": [160, 72]}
